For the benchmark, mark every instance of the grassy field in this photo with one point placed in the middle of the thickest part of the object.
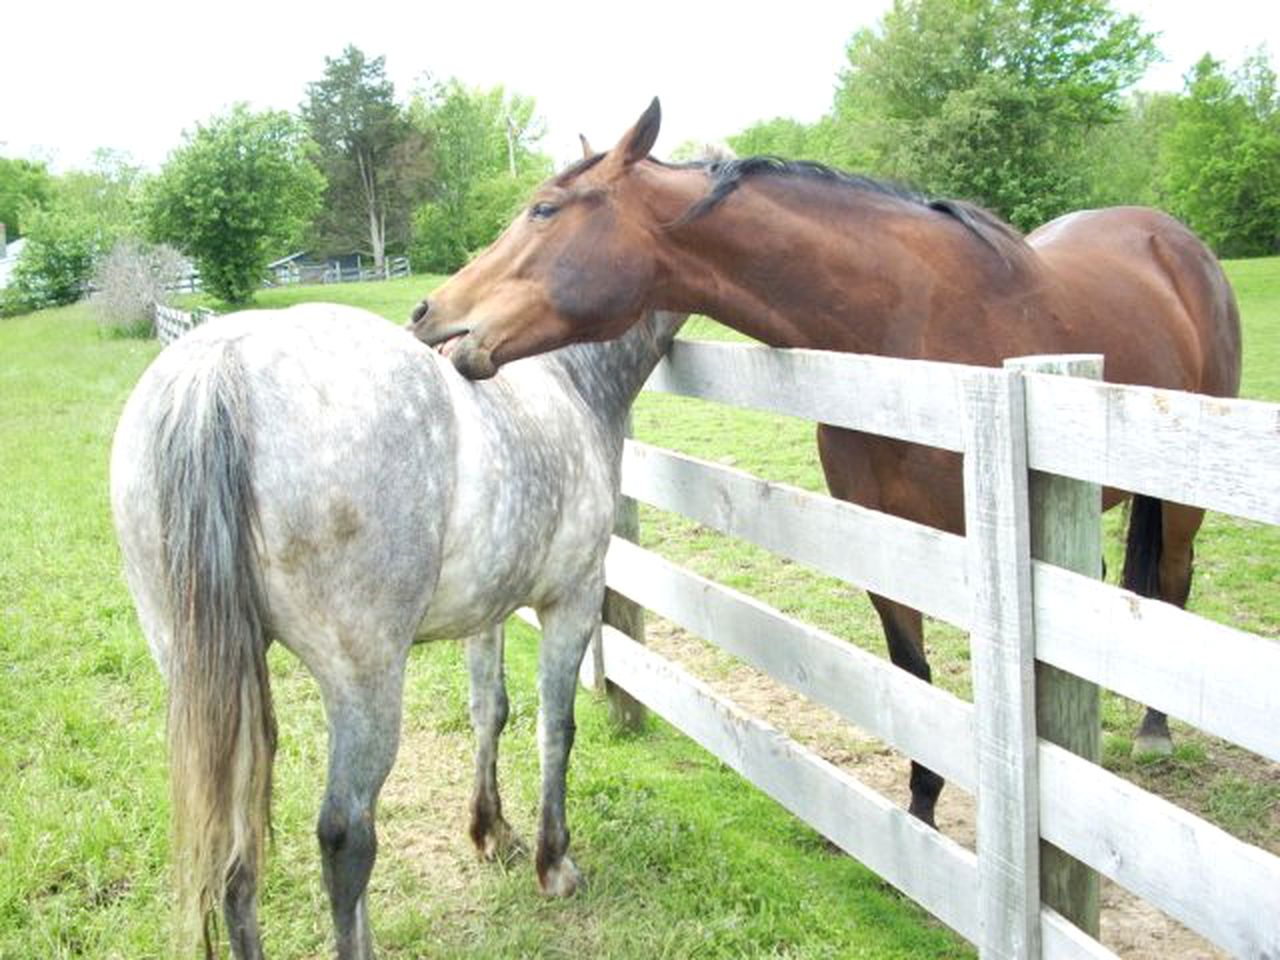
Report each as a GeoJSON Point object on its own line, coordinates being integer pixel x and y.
{"type": "Point", "coordinates": [683, 859]}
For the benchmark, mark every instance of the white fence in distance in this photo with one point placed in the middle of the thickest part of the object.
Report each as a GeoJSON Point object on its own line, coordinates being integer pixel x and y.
{"type": "Point", "coordinates": [334, 272]}
{"type": "Point", "coordinates": [1022, 613]}
{"type": "Point", "coordinates": [171, 323]}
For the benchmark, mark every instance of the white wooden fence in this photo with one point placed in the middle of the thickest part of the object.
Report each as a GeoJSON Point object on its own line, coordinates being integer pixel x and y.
{"type": "Point", "coordinates": [1022, 612]}
{"type": "Point", "coordinates": [334, 272]}
{"type": "Point", "coordinates": [171, 323]}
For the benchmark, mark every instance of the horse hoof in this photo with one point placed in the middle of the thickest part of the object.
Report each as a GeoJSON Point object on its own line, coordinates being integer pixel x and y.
{"type": "Point", "coordinates": [500, 843]}
{"type": "Point", "coordinates": [1146, 745]}
{"type": "Point", "coordinates": [560, 880]}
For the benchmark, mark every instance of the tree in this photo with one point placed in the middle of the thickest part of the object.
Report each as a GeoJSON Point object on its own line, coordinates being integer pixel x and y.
{"type": "Point", "coordinates": [238, 192]}
{"type": "Point", "coordinates": [24, 186]}
{"type": "Point", "coordinates": [78, 217]}
{"type": "Point", "coordinates": [56, 262]}
{"type": "Point", "coordinates": [478, 137]}
{"type": "Point", "coordinates": [1222, 157]}
{"type": "Point", "coordinates": [991, 99]}
{"type": "Point", "coordinates": [1124, 158]}
{"type": "Point", "coordinates": [375, 162]}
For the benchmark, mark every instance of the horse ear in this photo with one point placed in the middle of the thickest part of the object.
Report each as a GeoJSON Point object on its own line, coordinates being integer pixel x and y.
{"type": "Point", "coordinates": [637, 142]}
{"type": "Point", "coordinates": [587, 152]}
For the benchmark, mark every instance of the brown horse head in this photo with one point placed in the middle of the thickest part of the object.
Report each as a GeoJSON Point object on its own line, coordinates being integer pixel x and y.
{"type": "Point", "coordinates": [538, 286]}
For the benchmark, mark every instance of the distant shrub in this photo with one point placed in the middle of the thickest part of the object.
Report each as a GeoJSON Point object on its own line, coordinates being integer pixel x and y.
{"type": "Point", "coordinates": [57, 261]}
{"type": "Point", "coordinates": [130, 280]}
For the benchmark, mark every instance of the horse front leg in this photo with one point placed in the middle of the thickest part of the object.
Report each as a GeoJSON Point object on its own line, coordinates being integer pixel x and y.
{"type": "Point", "coordinates": [493, 837]}
{"type": "Point", "coordinates": [364, 710]}
{"type": "Point", "coordinates": [567, 627]}
{"type": "Point", "coordinates": [904, 632]}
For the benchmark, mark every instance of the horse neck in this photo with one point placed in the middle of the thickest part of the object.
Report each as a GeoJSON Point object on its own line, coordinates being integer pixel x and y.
{"type": "Point", "coordinates": [609, 375]}
{"type": "Point", "coordinates": [829, 267]}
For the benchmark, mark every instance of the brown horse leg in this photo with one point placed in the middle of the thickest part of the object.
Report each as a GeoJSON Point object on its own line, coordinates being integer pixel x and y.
{"type": "Point", "coordinates": [1169, 577]}
{"type": "Point", "coordinates": [904, 631]}
{"type": "Point", "coordinates": [490, 833]}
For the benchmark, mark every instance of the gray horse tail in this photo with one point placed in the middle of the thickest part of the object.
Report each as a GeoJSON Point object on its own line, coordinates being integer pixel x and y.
{"type": "Point", "coordinates": [222, 731]}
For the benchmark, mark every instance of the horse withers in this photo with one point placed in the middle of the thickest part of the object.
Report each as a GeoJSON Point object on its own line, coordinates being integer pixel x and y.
{"type": "Point", "coordinates": [799, 255]}
{"type": "Point", "coordinates": [315, 476]}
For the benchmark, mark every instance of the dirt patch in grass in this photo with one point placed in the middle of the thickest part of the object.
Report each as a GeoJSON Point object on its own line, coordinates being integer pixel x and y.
{"type": "Point", "coordinates": [1130, 926]}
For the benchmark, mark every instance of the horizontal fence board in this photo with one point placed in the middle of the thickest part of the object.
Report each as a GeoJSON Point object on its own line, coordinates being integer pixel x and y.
{"type": "Point", "coordinates": [1062, 940]}
{"type": "Point", "coordinates": [1219, 886]}
{"type": "Point", "coordinates": [909, 562]}
{"type": "Point", "coordinates": [926, 723]}
{"type": "Point", "coordinates": [1215, 677]}
{"type": "Point", "coordinates": [1205, 451]}
{"type": "Point", "coordinates": [933, 870]}
{"type": "Point", "coordinates": [916, 400]}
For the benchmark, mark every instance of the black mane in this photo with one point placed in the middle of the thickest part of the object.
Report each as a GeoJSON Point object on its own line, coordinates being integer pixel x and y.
{"type": "Point", "coordinates": [727, 175]}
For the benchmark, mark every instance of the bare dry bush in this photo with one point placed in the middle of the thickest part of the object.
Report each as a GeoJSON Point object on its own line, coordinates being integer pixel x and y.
{"type": "Point", "coordinates": [129, 282]}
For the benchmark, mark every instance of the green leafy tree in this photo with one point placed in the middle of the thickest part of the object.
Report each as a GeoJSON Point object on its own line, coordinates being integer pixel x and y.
{"type": "Point", "coordinates": [24, 185]}
{"type": "Point", "coordinates": [239, 191]}
{"type": "Point", "coordinates": [1222, 157]}
{"type": "Point", "coordinates": [376, 164]}
{"type": "Point", "coordinates": [76, 218]}
{"type": "Point", "coordinates": [1123, 159]}
{"type": "Point", "coordinates": [485, 165]}
{"type": "Point", "coordinates": [823, 142]}
{"type": "Point", "coordinates": [991, 99]}
{"type": "Point", "coordinates": [56, 262]}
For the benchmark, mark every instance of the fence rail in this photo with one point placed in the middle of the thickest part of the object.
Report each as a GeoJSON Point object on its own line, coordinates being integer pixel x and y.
{"type": "Point", "coordinates": [392, 268]}
{"type": "Point", "coordinates": [1026, 616]}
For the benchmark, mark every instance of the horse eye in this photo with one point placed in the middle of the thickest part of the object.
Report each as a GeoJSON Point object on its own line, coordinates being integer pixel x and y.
{"type": "Point", "coordinates": [543, 211]}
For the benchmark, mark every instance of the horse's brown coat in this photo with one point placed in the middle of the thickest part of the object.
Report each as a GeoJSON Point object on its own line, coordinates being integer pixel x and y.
{"type": "Point", "coordinates": [827, 262]}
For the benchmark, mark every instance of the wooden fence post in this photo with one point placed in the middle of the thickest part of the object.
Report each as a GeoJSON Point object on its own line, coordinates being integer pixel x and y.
{"type": "Point", "coordinates": [1066, 530]}
{"type": "Point", "coordinates": [624, 615]}
{"type": "Point", "coordinates": [997, 539]}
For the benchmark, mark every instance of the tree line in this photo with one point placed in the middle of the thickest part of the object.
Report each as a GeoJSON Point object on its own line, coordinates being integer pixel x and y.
{"type": "Point", "coordinates": [1024, 106]}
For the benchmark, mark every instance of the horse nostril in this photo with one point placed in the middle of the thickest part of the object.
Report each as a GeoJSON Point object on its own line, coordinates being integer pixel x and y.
{"type": "Point", "coordinates": [419, 311]}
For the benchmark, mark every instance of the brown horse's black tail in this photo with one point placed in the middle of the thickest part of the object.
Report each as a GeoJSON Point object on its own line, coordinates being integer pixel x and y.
{"type": "Point", "coordinates": [1144, 546]}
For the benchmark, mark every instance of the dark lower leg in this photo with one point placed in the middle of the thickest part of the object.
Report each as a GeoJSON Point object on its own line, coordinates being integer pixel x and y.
{"type": "Point", "coordinates": [364, 731]}
{"type": "Point", "coordinates": [904, 633]}
{"type": "Point", "coordinates": [240, 909]}
{"type": "Point", "coordinates": [489, 708]}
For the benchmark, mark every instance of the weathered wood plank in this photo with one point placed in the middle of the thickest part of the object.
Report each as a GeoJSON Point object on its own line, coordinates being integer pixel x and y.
{"type": "Point", "coordinates": [625, 615]}
{"type": "Point", "coordinates": [909, 399]}
{"type": "Point", "coordinates": [1060, 940]}
{"type": "Point", "coordinates": [1215, 677]}
{"type": "Point", "coordinates": [1066, 530]}
{"type": "Point", "coordinates": [1003, 659]}
{"type": "Point", "coordinates": [1206, 451]}
{"type": "Point", "coordinates": [912, 563]}
{"type": "Point", "coordinates": [928, 724]}
{"type": "Point", "coordinates": [1219, 886]}
{"type": "Point", "coordinates": [927, 866]}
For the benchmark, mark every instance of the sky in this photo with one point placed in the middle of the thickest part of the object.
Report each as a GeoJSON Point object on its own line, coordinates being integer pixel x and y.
{"type": "Point", "coordinates": [132, 76]}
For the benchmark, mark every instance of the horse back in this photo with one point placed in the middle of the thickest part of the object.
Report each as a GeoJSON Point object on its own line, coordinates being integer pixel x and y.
{"type": "Point", "coordinates": [1137, 286]}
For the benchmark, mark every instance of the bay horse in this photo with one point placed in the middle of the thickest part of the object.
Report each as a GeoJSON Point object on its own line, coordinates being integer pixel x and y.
{"type": "Point", "coordinates": [315, 476]}
{"type": "Point", "coordinates": [799, 255]}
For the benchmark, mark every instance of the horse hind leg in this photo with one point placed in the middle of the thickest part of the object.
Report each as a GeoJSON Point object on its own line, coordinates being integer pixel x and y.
{"type": "Point", "coordinates": [364, 734]}
{"type": "Point", "coordinates": [1159, 558]}
{"type": "Point", "coordinates": [493, 837]}
{"type": "Point", "coordinates": [904, 633]}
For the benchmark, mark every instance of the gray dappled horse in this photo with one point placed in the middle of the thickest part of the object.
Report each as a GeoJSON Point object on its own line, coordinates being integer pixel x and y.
{"type": "Point", "coordinates": [318, 477]}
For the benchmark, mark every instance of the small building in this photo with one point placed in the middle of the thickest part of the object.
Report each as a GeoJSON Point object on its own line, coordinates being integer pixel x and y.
{"type": "Point", "coordinates": [9, 253]}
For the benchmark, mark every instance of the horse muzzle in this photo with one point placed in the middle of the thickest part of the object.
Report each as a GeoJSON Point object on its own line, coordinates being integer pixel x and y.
{"type": "Point", "coordinates": [471, 360]}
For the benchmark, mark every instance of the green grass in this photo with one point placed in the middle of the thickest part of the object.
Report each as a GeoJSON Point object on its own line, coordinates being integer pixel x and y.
{"type": "Point", "coordinates": [683, 858]}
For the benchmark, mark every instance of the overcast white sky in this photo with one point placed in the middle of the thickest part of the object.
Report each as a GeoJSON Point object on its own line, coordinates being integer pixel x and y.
{"type": "Point", "coordinates": [134, 75]}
